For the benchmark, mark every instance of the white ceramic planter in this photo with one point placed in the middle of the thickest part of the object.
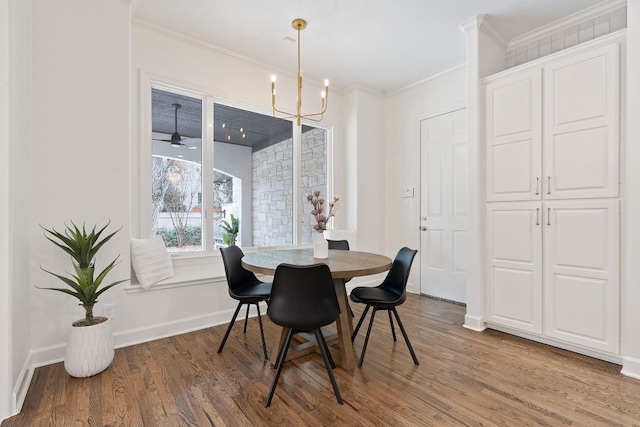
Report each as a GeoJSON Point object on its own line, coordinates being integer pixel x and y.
{"type": "Point", "coordinates": [89, 349]}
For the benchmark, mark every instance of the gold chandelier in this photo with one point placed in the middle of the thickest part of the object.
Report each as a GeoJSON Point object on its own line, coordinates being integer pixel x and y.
{"type": "Point", "coordinates": [299, 25]}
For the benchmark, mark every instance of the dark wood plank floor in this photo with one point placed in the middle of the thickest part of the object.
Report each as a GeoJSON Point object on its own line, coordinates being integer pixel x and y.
{"type": "Point", "coordinates": [465, 378]}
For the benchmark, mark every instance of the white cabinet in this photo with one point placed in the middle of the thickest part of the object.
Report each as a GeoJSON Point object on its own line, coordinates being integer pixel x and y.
{"type": "Point", "coordinates": [514, 273]}
{"type": "Point", "coordinates": [553, 269]}
{"type": "Point", "coordinates": [558, 139]}
{"type": "Point", "coordinates": [513, 130]}
{"type": "Point", "coordinates": [581, 125]}
{"type": "Point", "coordinates": [582, 272]}
{"type": "Point", "coordinates": [552, 187]}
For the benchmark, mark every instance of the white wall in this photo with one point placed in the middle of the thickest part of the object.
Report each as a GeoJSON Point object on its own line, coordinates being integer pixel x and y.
{"type": "Point", "coordinates": [80, 162]}
{"type": "Point", "coordinates": [403, 112]}
{"type": "Point", "coordinates": [14, 214]}
{"type": "Point", "coordinates": [364, 174]}
{"type": "Point", "coordinates": [6, 378]}
{"type": "Point", "coordinates": [631, 201]}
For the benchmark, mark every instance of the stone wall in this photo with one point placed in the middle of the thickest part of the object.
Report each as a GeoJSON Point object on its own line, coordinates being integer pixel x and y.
{"type": "Point", "coordinates": [273, 188]}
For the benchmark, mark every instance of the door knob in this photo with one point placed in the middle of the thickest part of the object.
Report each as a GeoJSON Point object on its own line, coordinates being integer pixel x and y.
{"type": "Point", "coordinates": [423, 228]}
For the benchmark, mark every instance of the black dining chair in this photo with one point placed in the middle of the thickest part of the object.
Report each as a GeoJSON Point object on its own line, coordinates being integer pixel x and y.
{"type": "Point", "coordinates": [244, 287]}
{"type": "Point", "coordinates": [303, 299]}
{"type": "Point", "coordinates": [341, 245]}
{"type": "Point", "coordinates": [386, 296]}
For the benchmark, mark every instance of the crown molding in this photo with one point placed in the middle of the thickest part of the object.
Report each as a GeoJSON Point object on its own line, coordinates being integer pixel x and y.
{"type": "Point", "coordinates": [483, 24]}
{"type": "Point", "coordinates": [567, 22]}
{"type": "Point", "coordinates": [492, 32]}
{"type": "Point", "coordinates": [473, 23]}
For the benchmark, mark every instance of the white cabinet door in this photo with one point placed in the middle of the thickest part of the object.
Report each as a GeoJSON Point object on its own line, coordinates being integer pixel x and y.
{"type": "Point", "coordinates": [513, 130]}
{"type": "Point", "coordinates": [514, 271]}
{"type": "Point", "coordinates": [582, 272]}
{"type": "Point", "coordinates": [581, 121]}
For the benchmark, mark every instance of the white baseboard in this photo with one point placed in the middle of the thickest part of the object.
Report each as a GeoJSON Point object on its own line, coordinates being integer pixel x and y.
{"type": "Point", "coordinates": [21, 386]}
{"type": "Point", "coordinates": [54, 354]}
{"type": "Point", "coordinates": [475, 323]}
{"type": "Point", "coordinates": [631, 367]}
{"type": "Point", "coordinates": [596, 354]}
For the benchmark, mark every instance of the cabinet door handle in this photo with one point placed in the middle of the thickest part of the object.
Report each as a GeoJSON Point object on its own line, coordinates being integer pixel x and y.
{"type": "Point", "coordinates": [537, 185]}
{"type": "Point", "coordinates": [537, 216]}
{"type": "Point", "coordinates": [548, 185]}
{"type": "Point", "coordinates": [548, 216]}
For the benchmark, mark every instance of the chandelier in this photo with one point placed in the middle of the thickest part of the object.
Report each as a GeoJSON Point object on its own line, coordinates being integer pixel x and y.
{"type": "Point", "coordinates": [299, 25]}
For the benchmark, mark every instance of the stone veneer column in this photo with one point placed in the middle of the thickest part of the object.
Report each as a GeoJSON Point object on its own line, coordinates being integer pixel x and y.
{"type": "Point", "coordinates": [273, 188]}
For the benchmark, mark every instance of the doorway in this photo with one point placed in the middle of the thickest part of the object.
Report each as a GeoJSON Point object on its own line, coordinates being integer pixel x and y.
{"type": "Point", "coordinates": [443, 206]}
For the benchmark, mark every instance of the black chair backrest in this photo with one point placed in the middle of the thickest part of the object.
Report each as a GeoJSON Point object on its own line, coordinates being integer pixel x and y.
{"type": "Point", "coordinates": [303, 297]}
{"type": "Point", "coordinates": [342, 245]}
{"type": "Point", "coordinates": [396, 280]}
{"type": "Point", "coordinates": [237, 276]}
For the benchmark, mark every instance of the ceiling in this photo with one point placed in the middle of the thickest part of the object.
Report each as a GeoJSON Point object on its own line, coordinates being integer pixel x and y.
{"type": "Point", "coordinates": [383, 45]}
{"type": "Point", "coordinates": [231, 125]}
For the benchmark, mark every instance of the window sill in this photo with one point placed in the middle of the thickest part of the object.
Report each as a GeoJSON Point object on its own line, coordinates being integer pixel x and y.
{"type": "Point", "coordinates": [198, 268]}
{"type": "Point", "coordinates": [187, 271]}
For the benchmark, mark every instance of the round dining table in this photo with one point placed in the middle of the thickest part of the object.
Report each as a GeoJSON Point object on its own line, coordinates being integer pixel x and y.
{"type": "Point", "coordinates": [343, 265]}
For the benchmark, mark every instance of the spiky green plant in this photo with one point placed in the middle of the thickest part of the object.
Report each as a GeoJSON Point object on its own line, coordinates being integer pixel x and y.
{"type": "Point", "coordinates": [82, 247]}
{"type": "Point", "coordinates": [231, 230]}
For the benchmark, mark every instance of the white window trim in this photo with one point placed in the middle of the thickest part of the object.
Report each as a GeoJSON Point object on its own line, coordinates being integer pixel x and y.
{"type": "Point", "coordinates": [205, 267]}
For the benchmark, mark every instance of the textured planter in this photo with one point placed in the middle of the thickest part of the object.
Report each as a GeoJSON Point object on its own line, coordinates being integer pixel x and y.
{"type": "Point", "coordinates": [89, 349]}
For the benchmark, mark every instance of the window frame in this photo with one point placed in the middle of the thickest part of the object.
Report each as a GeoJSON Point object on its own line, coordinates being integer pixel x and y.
{"type": "Point", "coordinates": [147, 83]}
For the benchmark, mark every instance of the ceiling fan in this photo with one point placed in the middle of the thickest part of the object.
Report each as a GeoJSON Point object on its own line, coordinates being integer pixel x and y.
{"type": "Point", "coordinates": [176, 139]}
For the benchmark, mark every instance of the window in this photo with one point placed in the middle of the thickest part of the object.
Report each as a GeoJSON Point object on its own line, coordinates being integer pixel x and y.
{"type": "Point", "coordinates": [176, 170]}
{"type": "Point", "coordinates": [247, 186]}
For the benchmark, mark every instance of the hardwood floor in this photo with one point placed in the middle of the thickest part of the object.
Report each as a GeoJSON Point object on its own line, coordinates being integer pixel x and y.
{"type": "Point", "coordinates": [465, 378]}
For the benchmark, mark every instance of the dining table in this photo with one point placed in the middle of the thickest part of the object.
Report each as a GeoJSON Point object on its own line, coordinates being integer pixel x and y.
{"type": "Point", "coordinates": [343, 264]}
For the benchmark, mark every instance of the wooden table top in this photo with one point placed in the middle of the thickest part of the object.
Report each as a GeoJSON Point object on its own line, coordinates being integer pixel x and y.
{"type": "Point", "coordinates": [343, 264]}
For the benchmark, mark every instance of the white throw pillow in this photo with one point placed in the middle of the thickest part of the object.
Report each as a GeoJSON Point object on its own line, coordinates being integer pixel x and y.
{"type": "Point", "coordinates": [150, 260]}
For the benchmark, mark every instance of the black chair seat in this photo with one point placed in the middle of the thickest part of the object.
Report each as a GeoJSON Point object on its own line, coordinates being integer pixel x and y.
{"type": "Point", "coordinates": [259, 291]}
{"type": "Point", "coordinates": [376, 296]}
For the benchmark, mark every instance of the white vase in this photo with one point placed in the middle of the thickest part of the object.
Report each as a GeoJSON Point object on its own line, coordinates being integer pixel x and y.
{"type": "Point", "coordinates": [321, 247]}
{"type": "Point", "coordinates": [89, 349]}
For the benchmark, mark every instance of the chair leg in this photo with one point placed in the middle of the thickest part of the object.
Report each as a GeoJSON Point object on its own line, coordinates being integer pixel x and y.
{"type": "Point", "coordinates": [264, 344]}
{"type": "Point", "coordinates": [246, 317]}
{"type": "Point", "coordinates": [325, 351]}
{"type": "Point", "coordinates": [366, 338]}
{"type": "Point", "coordinates": [226, 335]}
{"type": "Point", "coordinates": [406, 338]}
{"type": "Point", "coordinates": [324, 343]}
{"type": "Point", "coordinates": [282, 354]}
{"type": "Point", "coordinates": [355, 331]}
{"type": "Point", "coordinates": [393, 330]}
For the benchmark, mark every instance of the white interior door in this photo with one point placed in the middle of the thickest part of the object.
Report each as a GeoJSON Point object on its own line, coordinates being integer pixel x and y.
{"type": "Point", "coordinates": [443, 206]}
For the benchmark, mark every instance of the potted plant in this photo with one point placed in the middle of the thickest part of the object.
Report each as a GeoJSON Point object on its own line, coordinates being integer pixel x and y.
{"type": "Point", "coordinates": [231, 230]}
{"type": "Point", "coordinates": [89, 348]}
